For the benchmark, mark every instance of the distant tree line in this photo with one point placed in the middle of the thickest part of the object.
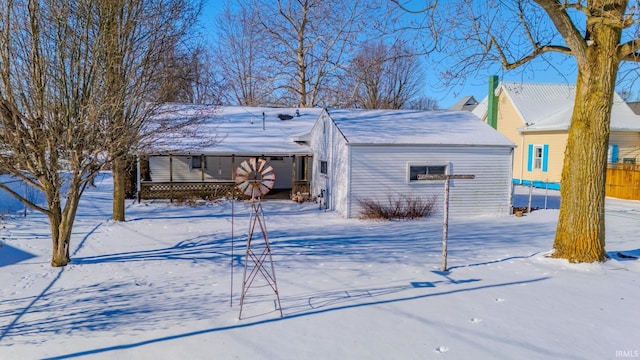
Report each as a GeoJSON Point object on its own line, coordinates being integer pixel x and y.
{"type": "Point", "coordinates": [307, 53]}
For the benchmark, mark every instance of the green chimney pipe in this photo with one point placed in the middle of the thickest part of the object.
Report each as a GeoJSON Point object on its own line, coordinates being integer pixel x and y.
{"type": "Point", "coordinates": [492, 111]}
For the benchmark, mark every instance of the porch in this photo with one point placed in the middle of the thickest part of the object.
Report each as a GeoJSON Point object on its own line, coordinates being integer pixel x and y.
{"type": "Point", "coordinates": [210, 177]}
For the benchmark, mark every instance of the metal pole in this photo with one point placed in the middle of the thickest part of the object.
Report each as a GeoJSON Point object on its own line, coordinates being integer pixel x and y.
{"type": "Point", "coordinates": [530, 194]}
{"type": "Point", "coordinates": [445, 226]}
{"type": "Point", "coordinates": [546, 193]}
{"type": "Point", "coordinates": [232, 259]}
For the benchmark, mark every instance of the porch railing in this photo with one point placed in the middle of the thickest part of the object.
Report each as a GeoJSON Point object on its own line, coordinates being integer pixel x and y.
{"type": "Point", "coordinates": [188, 190]}
{"type": "Point", "coordinates": [202, 190]}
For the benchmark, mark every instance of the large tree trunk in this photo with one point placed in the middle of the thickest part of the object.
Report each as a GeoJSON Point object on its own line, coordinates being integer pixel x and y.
{"type": "Point", "coordinates": [580, 234]}
{"type": "Point", "coordinates": [60, 252]}
{"type": "Point", "coordinates": [61, 223]}
{"type": "Point", "coordinates": [119, 188]}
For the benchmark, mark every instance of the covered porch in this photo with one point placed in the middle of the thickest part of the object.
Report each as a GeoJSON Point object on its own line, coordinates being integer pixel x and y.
{"type": "Point", "coordinates": [183, 177]}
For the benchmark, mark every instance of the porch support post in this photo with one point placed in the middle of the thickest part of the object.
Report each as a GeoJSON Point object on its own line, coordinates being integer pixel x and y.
{"type": "Point", "coordinates": [202, 165]}
{"type": "Point", "coordinates": [170, 178]}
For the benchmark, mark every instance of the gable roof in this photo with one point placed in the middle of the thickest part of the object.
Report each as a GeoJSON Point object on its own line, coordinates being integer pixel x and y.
{"type": "Point", "coordinates": [467, 103]}
{"type": "Point", "coordinates": [237, 130]}
{"type": "Point", "coordinates": [414, 127]}
{"type": "Point", "coordinates": [550, 107]}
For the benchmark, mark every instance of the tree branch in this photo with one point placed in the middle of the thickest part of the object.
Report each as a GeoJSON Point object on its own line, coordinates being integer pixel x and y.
{"type": "Point", "coordinates": [565, 26]}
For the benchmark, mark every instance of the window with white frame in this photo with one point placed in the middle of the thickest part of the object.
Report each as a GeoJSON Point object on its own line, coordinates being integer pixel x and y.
{"type": "Point", "coordinates": [538, 154]}
{"type": "Point", "coordinates": [416, 170]}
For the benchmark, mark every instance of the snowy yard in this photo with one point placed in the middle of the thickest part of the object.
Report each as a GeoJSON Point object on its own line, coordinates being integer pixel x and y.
{"type": "Point", "coordinates": [159, 286]}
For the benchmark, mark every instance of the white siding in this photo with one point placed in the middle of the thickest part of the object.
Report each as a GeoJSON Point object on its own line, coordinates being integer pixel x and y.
{"type": "Point", "coordinates": [375, 172]}
{"type": "Point", "coordinates": [328, 144]}
{"type": "Point", "coordinates": [381, 171]}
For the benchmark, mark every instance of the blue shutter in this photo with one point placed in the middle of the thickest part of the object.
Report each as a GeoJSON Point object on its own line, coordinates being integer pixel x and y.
{"type": "Point", "coordinates": [530, 158]}
{"type": "Point", "coordinates": [545, 157]}
{"type": "Point", "coordinates": [614, 154]}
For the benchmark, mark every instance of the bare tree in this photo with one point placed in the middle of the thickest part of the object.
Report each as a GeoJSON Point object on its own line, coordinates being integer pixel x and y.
{"type": "Point", "coordinates": [240, 47]}
{"type": "Point", "coordinates": [422, 103]}
{"type": "Point", "coordinates": [599, 36]}
{"type": "Point", "coordinates": [51, 123]}
{"type": "Point", "coordinates": [309, 40]}
{"type": "Point", "coordinates": [141, 41]}
{"type": "Point", "coordinates": [207, 87]}
{"type": "Point", "coordinates": [185, 76]}
{"type": "Point", "coordinates": [385, 76]}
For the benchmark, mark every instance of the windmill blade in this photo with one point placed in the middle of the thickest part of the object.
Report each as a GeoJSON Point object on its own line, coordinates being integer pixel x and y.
{"type": "Point", "coordinates": [261, 163]}
{"type": "Point", "coordinates": [245, 165]}
{"type": "Point", "coordinates": [269, 169]}
{"type": "Point", "coordinates": [243, 186]}
{"type": "Point", "coordinates": [268, 184]}
{"type": "Point", "coordinates": [252, 164]}
{"type": "Point", "coordinates": [264, 189]}
{"type": "Point", "coordinates": [241, 172]}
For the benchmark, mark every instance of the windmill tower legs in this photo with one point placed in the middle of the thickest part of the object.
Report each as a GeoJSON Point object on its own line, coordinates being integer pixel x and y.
{"type": "Point", "coordinates": [258, 259]}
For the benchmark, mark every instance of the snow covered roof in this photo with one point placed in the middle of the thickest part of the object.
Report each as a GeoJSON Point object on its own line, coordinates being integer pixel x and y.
{"type": "Point", "coordinates": [237, 130]}
{"type": "Point", "coordinates": [550, 106]}
{"type": "Point", "coordinates": [414, 127]}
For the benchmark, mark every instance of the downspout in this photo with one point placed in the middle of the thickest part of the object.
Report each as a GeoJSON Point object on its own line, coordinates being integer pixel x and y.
{"type": "Point", "coordinates": [521, 158]}
{"type": "Point", "coordinates": [492, 102]}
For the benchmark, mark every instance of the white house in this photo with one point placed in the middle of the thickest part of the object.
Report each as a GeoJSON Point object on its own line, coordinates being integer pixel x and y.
{"type": "Point", "coordinates": [374, 154]}
{"type": "Point", "coordinates": [204, 159]}
{"type": "Point", "coordinates": [337, 156]}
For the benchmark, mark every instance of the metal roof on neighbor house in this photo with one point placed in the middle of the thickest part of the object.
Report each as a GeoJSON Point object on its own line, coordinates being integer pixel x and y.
{"type": "Point", "coordinates": [550, 107]}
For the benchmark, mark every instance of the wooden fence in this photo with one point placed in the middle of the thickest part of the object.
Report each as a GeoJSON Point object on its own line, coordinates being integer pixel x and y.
{"type": "Point", "coordinates": [623, 181]}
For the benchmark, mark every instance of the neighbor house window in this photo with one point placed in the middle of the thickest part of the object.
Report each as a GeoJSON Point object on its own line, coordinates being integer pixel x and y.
{"type": "Point", "coordinates": [323, 167]}
{"type": "Point", "coordinates": [629, 161]}
{"type": "Point", "coordinates": [538, 158]}
{"type": "Point", "coordinates": [197, 163]}
{"type": "Point", "coordinates": [416, 171]}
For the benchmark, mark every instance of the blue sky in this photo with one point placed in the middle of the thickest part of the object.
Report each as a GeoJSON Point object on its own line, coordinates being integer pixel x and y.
{"type": "Point", "coordinates": [562, 71]}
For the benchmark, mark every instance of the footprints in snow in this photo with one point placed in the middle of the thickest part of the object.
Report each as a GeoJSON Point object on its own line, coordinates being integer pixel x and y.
{"type": "Point", "coordinates": [474, 320]}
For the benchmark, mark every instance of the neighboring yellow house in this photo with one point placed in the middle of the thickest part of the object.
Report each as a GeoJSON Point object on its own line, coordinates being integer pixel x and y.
{"type": "Point", "coordinates": [536, 118]}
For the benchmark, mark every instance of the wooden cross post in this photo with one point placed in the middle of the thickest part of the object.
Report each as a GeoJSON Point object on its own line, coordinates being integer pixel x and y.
{"type": "Point", "coordinates": [445, 224]}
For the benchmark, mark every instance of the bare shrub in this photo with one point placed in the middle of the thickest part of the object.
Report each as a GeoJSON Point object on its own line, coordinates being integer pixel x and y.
{"type": "Point", "coordinates": [397, 207]}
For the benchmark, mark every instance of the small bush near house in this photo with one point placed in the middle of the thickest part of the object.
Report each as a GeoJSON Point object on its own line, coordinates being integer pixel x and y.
{"type": "Point", "coordinates": [397, 207]}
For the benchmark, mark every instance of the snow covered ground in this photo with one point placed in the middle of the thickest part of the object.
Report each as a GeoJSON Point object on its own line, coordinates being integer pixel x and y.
{"type": "Point", "coordinates": [160, 286]}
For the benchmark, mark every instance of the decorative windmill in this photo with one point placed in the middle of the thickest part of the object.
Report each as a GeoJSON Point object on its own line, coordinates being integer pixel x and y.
{"type": "Point", "coordinates": [254, 177]}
